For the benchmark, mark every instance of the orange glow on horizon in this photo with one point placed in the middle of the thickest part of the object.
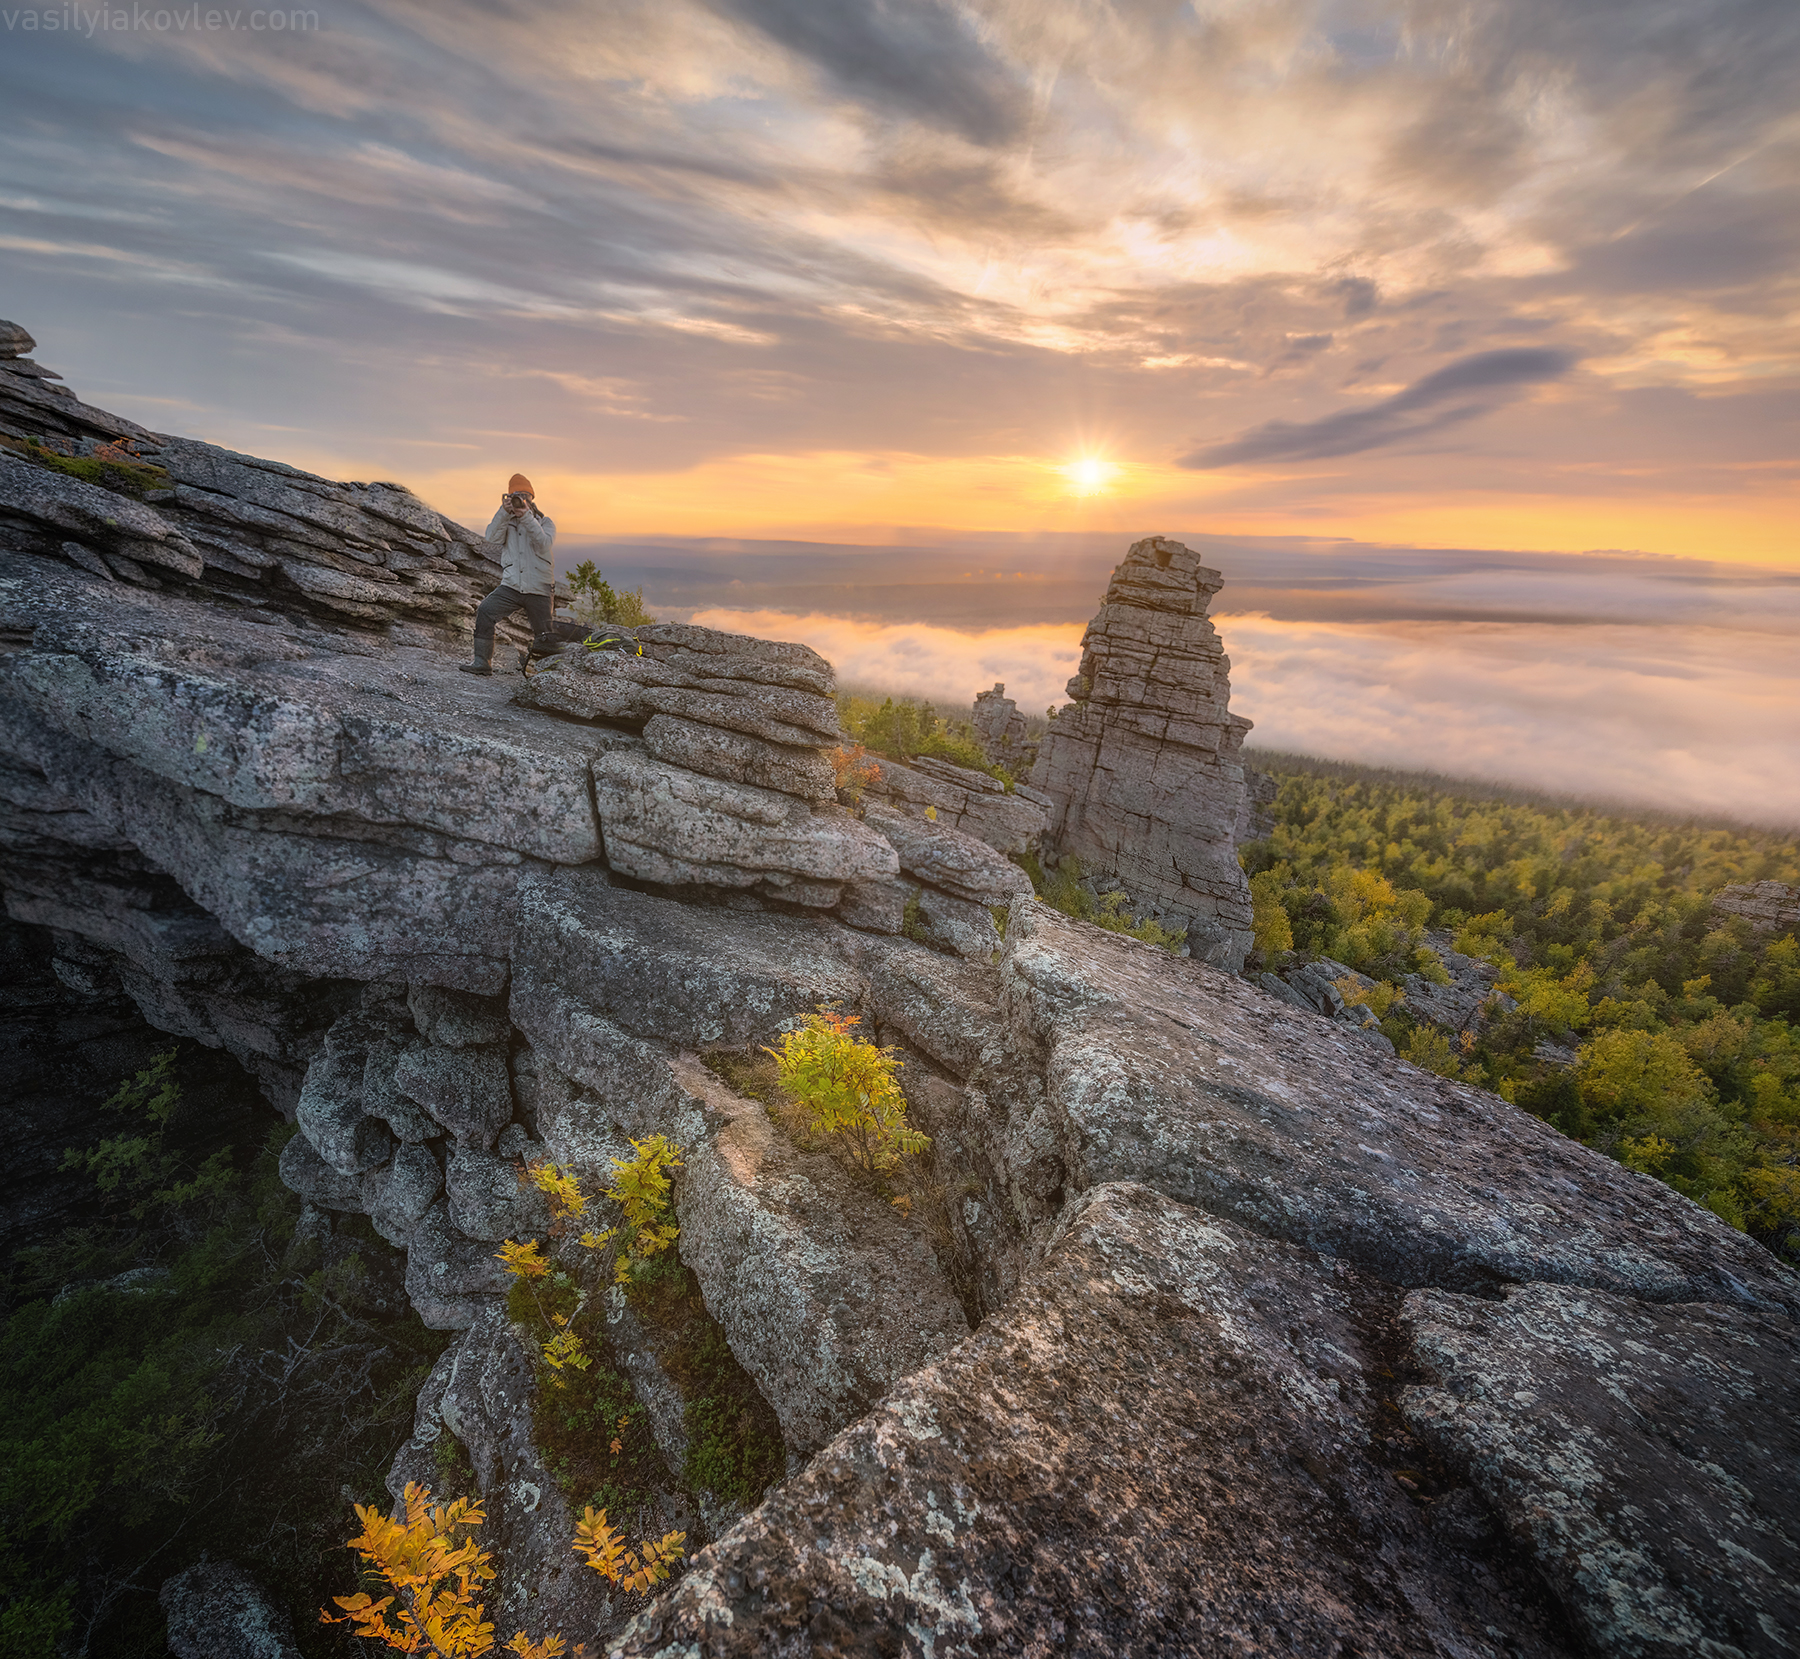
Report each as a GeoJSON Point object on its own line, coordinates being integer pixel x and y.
{"type": "Point", "coordinates": [861, 498]}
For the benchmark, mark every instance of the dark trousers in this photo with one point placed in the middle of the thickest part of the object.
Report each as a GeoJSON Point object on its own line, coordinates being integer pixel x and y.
{"type": "Point", "coordinates": [503, 602]}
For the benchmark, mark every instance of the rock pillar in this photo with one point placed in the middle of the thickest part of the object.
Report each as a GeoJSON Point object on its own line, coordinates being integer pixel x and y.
{"type": "Point", "coordinates": [1143, 766]}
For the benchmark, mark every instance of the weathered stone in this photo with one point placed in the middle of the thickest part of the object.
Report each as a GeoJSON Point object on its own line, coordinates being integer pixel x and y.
{"type": "Point", "coordinates": [874, 906]}
{"type": "Point", "coordinates": [489, 1198]}
{"type": "Point", "coordinates": [665, 825]}
{"type": "Point", "coordinates": [59, 507]}
{"type": "Point", "coordinates": [450, 1278]}
{"type": "Point", "coordinates": [949, 1010]}
{"type": "Point", "coordinates": [960, 926]}
{"type": "Point", "coordinates": [1172, 1441]}
{"type": "Point", "coordinates": [1143, 766]}
{"type": "Point", "coordinates": [963, 800]}
{"type": "Point", "coordinates": [453, 1019]}
{"type": "Point", "coordinates": [1001, 729]}
{"type": "Point", "coordinates": [465, 1089]}
{"type": "Point", "coordinates": [827, 1296]}
{"type": "Point", "coordinates": [398, 1194]}
{"type": "Point", "coordinates": [740, 759]}
{"type": "Point", "coordinates": [332, 1118]}
{"type": "Point", "coordinates": [382, 1096]}
{"type": "Point", "coordinates": [947, 859]}
{"type": "Point", "coordinates": [1647, 1454]}
{"type": "Point", "coordinates": [659, 969]}
{"type": "Point", "coordinates": [303, 1171]}
{"type": "Point", "coordinates": [216, 1610]}
{"type": "Point", "coordinates": [709, 653]}
{"type": "Point", "coordinates": [481, 1391]}
{"type": "Point", "coordinates": [1171, 1073]}
{"type": "Point", "coordinates": [14, 341]}
{"type": "Point", "coordinates": [1766, 905]}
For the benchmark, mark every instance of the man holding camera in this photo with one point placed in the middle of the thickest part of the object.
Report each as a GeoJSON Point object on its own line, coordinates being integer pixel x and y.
{"type": "Point", "coordinates": [527, 576]}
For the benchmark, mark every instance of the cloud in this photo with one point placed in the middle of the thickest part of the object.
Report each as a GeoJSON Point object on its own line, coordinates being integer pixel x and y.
{"type": "Point", "coordinates": [1470, 387]}
{"type": "Point", "coordinates": [917, 660]}
{"type": "Point", "coordinates": [915, 58]}
{"type": "Point", "coordinates": [1696, 720]}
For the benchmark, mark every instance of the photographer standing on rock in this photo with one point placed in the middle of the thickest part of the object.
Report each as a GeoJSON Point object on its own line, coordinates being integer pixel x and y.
{"type": "Point", "coordinates": [527, 577]}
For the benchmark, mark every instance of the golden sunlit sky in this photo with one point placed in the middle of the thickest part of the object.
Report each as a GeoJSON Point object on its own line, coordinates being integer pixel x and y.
{"type": "Point", "coordinates": [1399, 273]}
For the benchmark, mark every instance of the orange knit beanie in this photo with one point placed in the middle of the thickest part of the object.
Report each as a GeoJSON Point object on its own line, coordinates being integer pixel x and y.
{"type": "Point", "coordinates": [520, 485]}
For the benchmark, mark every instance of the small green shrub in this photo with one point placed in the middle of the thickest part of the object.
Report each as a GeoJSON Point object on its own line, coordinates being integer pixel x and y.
{"type": "Point", "coordinates": [598, 603]}
{"type": "Point", "coordinates": [847, 1092]}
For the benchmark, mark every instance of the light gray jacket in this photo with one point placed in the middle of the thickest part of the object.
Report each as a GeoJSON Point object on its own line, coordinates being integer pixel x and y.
{"type": "Point", "coordinates": [523, 547]}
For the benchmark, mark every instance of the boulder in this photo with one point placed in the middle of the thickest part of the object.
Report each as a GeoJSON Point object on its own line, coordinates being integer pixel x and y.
{"type": "Point", "coordinates": [14, 341]}
{"type": "Point", "coordinates": [1143, 766]}
{"type": "Point", "coordinates": [454, 1019]}
{"type": "Point", "coordinates": [397, 1195]}
{"type": "Point", "coordinates": [467, 1090]}
{"type": "Point", "coordinates": [382, 1096]}
{"type": "Point", "coordinates": [303, 1171]}
{"type": "Point", "coordinates": [331, 1115]}
{"type": "Point", "coordinates": [738, 758]}
{"type": "Point", "coordinates": [216, 1610]}
{"type": "Point", "coordinates": [490, 1199]}
{"type": "Point", "coordinates": [449, 1277]}
{"type": "Point", "coordinates": [827, 1296]}
{"type": "Point", "coordinates": [711, 654]}
{"type": "Point", "coordinates": [1171, 1073]}
{"type": "Point", "coordinates": [947, 859]}
{"type": "Point", "coordinates": [1175, 1439]}
{"type": "Point", "coordinates": [1647, 1453]}
{"type": "Point", "coordinates": [675, 828]}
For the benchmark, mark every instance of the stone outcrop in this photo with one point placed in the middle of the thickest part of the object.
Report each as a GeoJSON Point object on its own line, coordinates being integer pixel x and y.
{"type": "Point", "coordinates": [172, 512]}
{"type": "Point", "coordinates": [216, 1610]}
{"type": "Point", "coordinates": [1766, 905]}
{"type": "Point", "coordinates": [1215, 1329]}
{"type": "Point", "coordinates": [1142, 767]}
{"type": "Point", "coordinates": [1001, 730]}
{"type": "Point", "coordinates": [1011, 821]}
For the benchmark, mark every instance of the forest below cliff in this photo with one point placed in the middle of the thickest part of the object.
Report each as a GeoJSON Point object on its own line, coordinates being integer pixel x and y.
{"type": "Point", "coordinates": [1628, 1012]}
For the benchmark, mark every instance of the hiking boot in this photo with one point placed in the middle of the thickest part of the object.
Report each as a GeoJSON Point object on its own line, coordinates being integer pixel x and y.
{"type": "Point", "coordinates": [474, 668]}
{"type": "Point", "coordinates": [483, 662]}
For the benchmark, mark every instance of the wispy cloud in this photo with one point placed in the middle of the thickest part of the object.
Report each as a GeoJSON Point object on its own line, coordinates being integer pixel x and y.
{"type": "Point", "coordinates": [1446, 397]}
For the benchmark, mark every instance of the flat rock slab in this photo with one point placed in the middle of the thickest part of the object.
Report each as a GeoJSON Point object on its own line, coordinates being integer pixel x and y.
{"type": "Point", "coordinates": [667, 825]}
{"type": "Point", "coordinates": [827, 1296]}
{"type": "Point", "coordinates": [1156, 1448]}
{"type": "Point", "coordinates": [693, 978]}
{"type": "Point", "coordinates": [946, 858]}
{"type": "Point", "coordinates": [274, 716]}
{"type": "Point", "coordinates": [1650, 1454]}
{"type": "Point", "coordinates": [1171, 1073]}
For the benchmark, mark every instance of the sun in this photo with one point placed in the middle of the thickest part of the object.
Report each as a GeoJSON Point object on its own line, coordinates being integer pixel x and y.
{"type": "Point", "coordinates": [1090, 475]}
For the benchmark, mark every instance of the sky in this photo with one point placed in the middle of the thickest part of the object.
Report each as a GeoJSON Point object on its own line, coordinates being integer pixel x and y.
{"type": "Point", "coordinates": [1511, 291]}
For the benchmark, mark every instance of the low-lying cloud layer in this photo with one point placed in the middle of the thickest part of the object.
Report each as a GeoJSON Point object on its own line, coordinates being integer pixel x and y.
{"type": "Point", "coordinates": [1657, 682]}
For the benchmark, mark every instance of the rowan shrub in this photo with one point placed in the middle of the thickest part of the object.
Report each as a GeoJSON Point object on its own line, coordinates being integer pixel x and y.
{"type": "Point", "coordinates": [847, 1091]}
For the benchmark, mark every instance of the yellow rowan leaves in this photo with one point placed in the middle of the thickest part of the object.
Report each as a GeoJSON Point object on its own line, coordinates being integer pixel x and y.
{"type": "Point", "coordinates": [848, 1090]}
{"type": "Point", "coordinates": [523, 1261]}
{"type": "Point", "coordinates": [435, 1577]}
{"type": "Point", "coordinates": [607, 1554]}
{"type": "Point", "coordinates": [641, 1187]}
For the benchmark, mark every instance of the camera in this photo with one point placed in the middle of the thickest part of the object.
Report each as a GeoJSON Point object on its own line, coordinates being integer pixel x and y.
{"type": "Point", "coordinates": [517, 499]}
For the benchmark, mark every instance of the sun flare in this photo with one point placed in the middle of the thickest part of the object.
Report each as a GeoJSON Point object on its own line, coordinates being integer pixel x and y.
{"type": "Point", "coordinates": [1089, 476]}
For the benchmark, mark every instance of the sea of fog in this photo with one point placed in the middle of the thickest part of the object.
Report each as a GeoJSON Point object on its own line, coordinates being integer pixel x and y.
{"type": "Point", "coordinates": [1669, 682]}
